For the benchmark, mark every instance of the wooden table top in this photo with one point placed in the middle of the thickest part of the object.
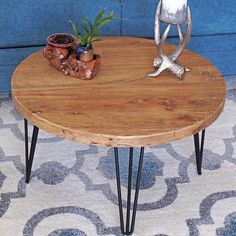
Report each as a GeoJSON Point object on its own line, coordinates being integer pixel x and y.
{"type": "Point", "coordinates": [121, 106]}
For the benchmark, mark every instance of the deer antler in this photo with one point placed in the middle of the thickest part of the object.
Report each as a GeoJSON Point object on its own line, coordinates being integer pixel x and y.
{"type": "Point", "coordinates": [163, 57]}
{"type": "Point", "coordinates": [162, 41]}
{"type": "Point", "coordinates": [186, 39]}
{"type": "Point", "coordinates": [180, 33]}
{"type": "Point", "coordinates": [157, 24]}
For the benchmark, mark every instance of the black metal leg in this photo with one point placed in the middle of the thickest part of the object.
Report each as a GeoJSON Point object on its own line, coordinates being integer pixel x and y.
{"type": "Point", "coordinates": [29, 157]}
{"type": "Point", "coordinates": [199, 150]}
{"type": "Point", "coordinates": [129, 229]}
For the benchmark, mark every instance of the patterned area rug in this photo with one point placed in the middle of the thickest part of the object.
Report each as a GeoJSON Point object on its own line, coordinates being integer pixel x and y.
{"type": "Point", "coordinates": [72, 191]}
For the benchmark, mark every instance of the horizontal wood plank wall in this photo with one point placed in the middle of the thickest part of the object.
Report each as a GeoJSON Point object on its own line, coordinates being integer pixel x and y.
{"type": "Point", "coordinates": [213, 36]}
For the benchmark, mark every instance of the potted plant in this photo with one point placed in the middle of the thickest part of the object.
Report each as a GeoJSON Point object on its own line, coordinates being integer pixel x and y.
{"type": "Point", "coordinates": [87, 32]}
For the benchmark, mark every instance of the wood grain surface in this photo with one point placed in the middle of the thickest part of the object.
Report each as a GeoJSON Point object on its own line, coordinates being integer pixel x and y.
{"type": "Point", "coordinates": [121, 106]}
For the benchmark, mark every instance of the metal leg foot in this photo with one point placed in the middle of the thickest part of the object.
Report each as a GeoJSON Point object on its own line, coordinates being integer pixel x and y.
{"type": "Point", "coordinates": [199, 150]}
{"type": "Point", "coordinates": [29, 157]}
{"type": "Point", "coordinates": [130, 222]}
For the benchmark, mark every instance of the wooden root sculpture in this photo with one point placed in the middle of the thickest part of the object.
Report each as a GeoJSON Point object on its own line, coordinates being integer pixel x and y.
{"type": "Point", "coordinates": [164, 62]}
{"type": "Point", "coordinates": [64, 59]}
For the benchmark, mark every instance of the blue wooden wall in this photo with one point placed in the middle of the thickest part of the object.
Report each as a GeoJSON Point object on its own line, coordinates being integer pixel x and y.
{"type": "Point", "coordinates": [25, 24]}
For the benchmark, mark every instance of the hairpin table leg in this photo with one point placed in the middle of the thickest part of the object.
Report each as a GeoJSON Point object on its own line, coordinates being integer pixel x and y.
{"type": "Point", "coordinates": [130, 222]}
{"type": "Point", "coordinates": [199, 150]}
{"type": "Point", "coordinates": [29, 156]}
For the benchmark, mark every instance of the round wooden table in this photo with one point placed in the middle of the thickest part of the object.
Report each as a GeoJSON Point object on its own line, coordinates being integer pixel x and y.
{"type": "Point", "coordinates": [121, 106]}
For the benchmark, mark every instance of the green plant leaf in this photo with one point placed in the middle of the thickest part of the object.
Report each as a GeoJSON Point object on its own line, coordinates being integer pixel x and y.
{"type": "Point", "coordinates": [119, 19]}
{"type": "Point", "coordinates": [99, 16]}
{"type": "Point", "coordinates": [107, 19]}
{"type": "Point", "coordinates": [104, 21]}
{"type": "Point", "coordinates": [86, 30]}
{"type": "Point", "coordinates": [86, 21]}
{"type": "Point", "coordinates": [90, 38]}
{"type": "Point", "coordinates": [83, 41]}
{"type": "Point", "coordinates": [75, 29]}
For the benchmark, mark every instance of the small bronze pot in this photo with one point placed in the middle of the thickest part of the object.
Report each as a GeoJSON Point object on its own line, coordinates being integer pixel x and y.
{"type": "Point", "coordinates": [85, 53]}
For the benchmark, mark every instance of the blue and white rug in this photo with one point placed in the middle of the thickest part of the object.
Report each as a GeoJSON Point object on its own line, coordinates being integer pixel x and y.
{"type": "Point", "coordinates": [72, 191]}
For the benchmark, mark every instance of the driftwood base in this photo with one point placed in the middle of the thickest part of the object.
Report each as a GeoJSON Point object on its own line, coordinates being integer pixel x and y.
{"type": "Point", "coordinates": [64, 59]}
